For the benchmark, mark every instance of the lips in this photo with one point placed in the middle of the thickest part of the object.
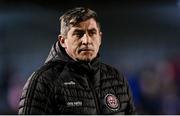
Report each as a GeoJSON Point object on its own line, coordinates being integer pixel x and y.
{"type": "Point", "coordinates": [85, 49]}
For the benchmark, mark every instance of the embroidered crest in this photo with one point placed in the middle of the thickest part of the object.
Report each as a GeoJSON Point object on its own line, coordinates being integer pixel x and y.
{"type": "Point", "coordinates": [112, 102]}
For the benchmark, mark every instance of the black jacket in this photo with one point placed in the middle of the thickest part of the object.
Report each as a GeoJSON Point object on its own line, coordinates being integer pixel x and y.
{"type": "Point", "coordinates": [63, 86]}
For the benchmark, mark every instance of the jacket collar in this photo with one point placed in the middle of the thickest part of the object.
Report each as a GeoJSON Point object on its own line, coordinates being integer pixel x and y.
{"type": "Point", "coordinates": [57, 52]}
{"type": "Point", "coordinates": [90, 69]}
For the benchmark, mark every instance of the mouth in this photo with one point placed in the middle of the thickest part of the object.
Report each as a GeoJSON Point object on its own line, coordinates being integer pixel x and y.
{"type": "Point", "coordinates": [85, 50]}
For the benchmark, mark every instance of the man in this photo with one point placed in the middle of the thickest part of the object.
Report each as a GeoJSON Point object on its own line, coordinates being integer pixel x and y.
{"type": "Point", "coordinates": [73, 80]}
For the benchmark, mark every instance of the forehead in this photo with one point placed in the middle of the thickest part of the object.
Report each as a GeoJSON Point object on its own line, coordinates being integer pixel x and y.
{"type": "Point", "coordinates": [87, 24]}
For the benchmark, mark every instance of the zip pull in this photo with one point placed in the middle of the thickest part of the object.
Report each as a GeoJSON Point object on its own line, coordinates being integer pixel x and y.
{"type": "Point", "coordinates": [90, 67]}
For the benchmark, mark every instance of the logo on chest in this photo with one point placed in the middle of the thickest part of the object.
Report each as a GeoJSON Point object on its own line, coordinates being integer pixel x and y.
{"type": "Point", "coordinates": [111, 102]}
{"type": "Point", "coordinates": [74, 103]}
{"type": "Point", "coordinates": [69, 83]}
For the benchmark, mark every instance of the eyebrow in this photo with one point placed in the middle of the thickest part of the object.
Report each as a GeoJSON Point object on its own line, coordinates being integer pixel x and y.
{"type": "Point", "coordinates": [93, 29]}
{"type": "Point", "coordinates": [78, 31]}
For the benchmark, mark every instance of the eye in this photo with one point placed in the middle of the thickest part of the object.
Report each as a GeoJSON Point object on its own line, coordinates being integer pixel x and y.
{"type": "Point", "coordinates": [78, 34]}
{"type": "Point", "coordinates": [92, 32]}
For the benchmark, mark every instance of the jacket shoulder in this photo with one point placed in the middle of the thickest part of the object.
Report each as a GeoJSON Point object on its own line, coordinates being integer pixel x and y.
{"type": "Point", "coordinates": [112, 71]}
{"type": "Point", "coordinates": [37, 90]}
{"type": "Point", "coordinates": [107, 67]}
{"type": "Point", "coordinates": [49, 71]}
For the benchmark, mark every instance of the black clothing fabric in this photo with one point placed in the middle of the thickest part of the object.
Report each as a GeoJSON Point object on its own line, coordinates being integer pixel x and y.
{"type": "Point", "coordinates": [65, 86]}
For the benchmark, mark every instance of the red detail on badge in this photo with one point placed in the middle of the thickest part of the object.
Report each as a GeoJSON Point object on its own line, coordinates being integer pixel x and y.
{"type": "Point", "coordinates": [111, 101]}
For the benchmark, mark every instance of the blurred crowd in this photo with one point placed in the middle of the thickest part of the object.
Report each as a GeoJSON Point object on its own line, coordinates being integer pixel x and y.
{"type": "Point", "coordinates": [156, 86]}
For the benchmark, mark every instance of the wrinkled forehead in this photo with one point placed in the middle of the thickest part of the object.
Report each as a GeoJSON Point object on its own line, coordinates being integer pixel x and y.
{"type": "Point", "coordinates": [86, 25]}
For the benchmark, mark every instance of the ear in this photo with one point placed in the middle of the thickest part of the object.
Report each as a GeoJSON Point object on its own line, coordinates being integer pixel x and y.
{"type": "Point", "coordinates": [62, 41]}
{"type": "Point", "coordinates": [100, 33]}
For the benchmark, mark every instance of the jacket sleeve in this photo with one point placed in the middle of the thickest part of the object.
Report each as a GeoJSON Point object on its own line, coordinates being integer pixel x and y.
{"type": "Point", "coordinates": [36, 96]}
{"type": "Point", "coordinates": [131, 108]}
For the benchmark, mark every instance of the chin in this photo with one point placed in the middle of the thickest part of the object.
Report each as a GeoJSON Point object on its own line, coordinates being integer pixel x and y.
{"type": "Point", "coordinates": [86, 59]}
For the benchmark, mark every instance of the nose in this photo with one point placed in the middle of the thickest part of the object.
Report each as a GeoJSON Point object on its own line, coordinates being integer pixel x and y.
{"type": "Point", "coordinates": [86, 39]}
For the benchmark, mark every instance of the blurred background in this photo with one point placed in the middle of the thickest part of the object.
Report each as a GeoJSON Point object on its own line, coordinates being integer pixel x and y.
{"type": "Point", "coordinates": [140, 38]}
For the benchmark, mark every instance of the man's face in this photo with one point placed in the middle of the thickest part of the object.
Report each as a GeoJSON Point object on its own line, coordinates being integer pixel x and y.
{"type": "Point", "coordinates": [83, 41]}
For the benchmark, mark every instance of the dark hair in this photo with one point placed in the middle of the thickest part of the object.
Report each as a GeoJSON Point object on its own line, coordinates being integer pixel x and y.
{"type": "Point", "coordinates": [74, 16]}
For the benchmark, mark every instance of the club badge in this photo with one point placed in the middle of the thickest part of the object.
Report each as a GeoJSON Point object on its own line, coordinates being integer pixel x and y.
{"type": "Point", "coordinates": [112, 102]}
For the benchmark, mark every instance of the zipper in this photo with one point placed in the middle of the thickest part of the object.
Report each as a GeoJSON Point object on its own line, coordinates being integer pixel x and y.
{"type": "Point", "coordinates": [95, 96]}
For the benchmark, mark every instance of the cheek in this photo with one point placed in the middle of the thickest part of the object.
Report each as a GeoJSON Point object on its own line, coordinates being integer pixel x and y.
{"type": "Point", "coordinates": [100, 40]}
{"type": "Point", "coordinates": [98, 43]}
{"type": "Point", "coordinates": [73, 47]}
